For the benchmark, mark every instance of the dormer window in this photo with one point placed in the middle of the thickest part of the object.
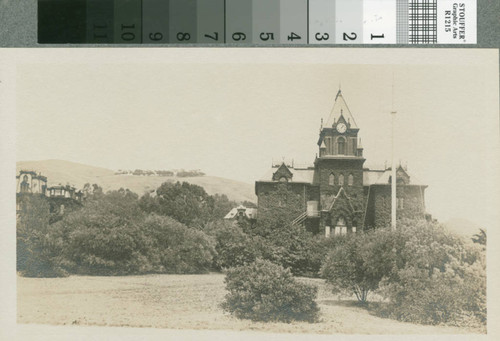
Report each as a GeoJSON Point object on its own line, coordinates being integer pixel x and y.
{"type": "Point", "coordinates": [341, 179]}
{"type": "Point", "coordinates": [350, 180]}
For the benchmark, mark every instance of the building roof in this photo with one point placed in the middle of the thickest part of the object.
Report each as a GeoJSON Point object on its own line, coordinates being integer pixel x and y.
{"type": "Point", "coordinates": [34, 175]}
{"type": "Point", "coordinates": [299, 175]}
{"type": "Point", "coordinates": [381, 177]}
{"type": "Point", "coordinates": [250, 213]}
{"type": "Point", "coordinates": [370, 176]}
{"type": "Point", "coordinates": [340, 108]}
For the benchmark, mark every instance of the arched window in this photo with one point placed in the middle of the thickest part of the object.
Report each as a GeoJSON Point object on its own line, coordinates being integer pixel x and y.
{"type": "Point", "coordinates": [341, 146]}
{"type": "Point", "coordinates": [25, 187]}
{"type": "Point", "coordinates": [331, 179]}
{"type": "Point", "coordinates": [328, 145]}
{"type": "Point", "coordinates": [350, 180]}
{"type": "Point", "coordinates": [341, 179]}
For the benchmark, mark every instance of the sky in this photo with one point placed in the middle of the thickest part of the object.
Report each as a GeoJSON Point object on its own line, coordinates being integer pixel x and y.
{"type": "Point", "coordinates": [231, 113]}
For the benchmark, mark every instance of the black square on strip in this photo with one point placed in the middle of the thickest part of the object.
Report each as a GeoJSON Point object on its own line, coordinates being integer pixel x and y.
{"type": "Point", "coordinates": [62, 21]}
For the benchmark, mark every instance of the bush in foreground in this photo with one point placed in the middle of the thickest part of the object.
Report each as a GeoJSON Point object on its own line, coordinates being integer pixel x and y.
{"type": "Point", "coordinates": [263, 291]}
{"type": "Point", "coordinates": [427, 274]}
{"type": "Point", "coordinates": [437, 278]}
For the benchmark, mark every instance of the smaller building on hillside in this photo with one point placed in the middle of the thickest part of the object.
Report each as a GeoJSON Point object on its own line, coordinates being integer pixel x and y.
{"type": "Point", "coordinates": [30, 183]}
{"type": "Point", "coordinates": [242, 213]}
{"type": "Point", "coordinates": [68, 192]}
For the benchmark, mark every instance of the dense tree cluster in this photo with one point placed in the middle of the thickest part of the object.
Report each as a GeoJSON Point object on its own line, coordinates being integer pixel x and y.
{"type": "Point", "coordinates": [424, 273]}
{"type": "Point", "coordinates": [118, 233]}
{"type": "Point", "coordinates": [186, 203]}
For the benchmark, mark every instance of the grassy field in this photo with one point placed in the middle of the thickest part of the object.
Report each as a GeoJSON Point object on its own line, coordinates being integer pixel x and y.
{"type": "Point", "coordinates": [182, 302]}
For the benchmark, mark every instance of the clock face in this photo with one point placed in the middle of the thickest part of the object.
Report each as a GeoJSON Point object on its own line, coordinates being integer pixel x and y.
{"type": "Point", "coordinates": [341, 128]}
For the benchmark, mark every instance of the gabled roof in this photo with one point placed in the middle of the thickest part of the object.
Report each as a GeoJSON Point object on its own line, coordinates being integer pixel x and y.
{"type": "Point", "coordinates": [299, 175]}
{"type": "Point", "coordinates": [381, 177]}
{"type": "Point", "coordinates": [341, 191]}
{"type": "Point", "coordinates": [283, 171]}
{"type": "Point", "coordinates": [339, 109]}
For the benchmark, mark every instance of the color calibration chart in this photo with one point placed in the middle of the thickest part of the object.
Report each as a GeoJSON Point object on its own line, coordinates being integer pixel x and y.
{"type": "Point", "coordinates": [257, 22]}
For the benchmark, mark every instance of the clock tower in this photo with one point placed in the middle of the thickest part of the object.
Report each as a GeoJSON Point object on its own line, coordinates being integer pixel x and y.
{"type": "Point", "coordinates": [339, 170]}
{"type": "Point", "coordinates": [337, 194]}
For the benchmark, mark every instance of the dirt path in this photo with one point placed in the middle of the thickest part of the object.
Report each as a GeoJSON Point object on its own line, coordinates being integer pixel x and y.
{"type": "Point", "coordinates": [181, 302]}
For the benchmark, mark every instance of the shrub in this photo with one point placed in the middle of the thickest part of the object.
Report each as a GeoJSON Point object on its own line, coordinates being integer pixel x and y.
{"type": "Point", "coordinates": [291, 247]}
{"type": "Point", "coordinates": [263, 291]}
{"type": "Point", "coordinates": [177, 248]}
{"type": "Point", "coordinates": [436, 278]}
{"type": "Point", "coordinates": [103, 238]}
{"type": "Point", "coordinates": [110, 235]}
{"type": "Point", "coordinates": [427, 274]}
{"type": "Point", "coordinates": [234, 247]}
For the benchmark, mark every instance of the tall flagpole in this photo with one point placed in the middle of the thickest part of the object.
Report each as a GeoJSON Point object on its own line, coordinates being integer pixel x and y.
{"type": "Point", "coordinates": [393, 178]}
{"type": "Point", "coordinates": [393, 165]}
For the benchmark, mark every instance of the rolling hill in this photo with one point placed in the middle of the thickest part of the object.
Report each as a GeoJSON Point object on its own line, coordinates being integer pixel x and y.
{"type": "Point", "coordinates": [77, 174]}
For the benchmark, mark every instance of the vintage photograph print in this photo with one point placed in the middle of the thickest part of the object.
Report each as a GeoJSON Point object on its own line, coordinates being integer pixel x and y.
{"type": "Point", "coordinates": [305, 191]}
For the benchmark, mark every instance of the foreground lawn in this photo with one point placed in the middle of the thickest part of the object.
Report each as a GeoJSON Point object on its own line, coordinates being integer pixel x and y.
{"type": "Point", "coordinates": [182, 302]}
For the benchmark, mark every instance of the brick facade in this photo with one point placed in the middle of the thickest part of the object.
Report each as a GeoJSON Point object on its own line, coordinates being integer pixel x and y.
{"type": "Point", "coordinates": [348, 196]}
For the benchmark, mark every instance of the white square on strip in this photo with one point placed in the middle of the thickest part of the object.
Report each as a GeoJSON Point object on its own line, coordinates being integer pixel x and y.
{"type": "Point", "coordinates": [321, 22]}
{"type": "Point", "coordinates": [379, 22]}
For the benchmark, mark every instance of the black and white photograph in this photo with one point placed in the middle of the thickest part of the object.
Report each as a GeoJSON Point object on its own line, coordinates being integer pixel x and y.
{"type": "Point", "coordinates": [276, 192]}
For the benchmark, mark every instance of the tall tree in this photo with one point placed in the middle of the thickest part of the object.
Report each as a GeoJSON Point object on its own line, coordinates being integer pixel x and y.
{"type": "Point", "coordinates": [38, 250]}
{"type": "Point", "coordinates": [186, 203]}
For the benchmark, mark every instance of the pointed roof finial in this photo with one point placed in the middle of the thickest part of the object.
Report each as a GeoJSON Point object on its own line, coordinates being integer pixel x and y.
{"type": "Point", "coordinates": [338, 94]}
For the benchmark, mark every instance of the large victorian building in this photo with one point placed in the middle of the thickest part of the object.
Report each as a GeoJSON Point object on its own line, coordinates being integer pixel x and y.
{"type": "Point", "coordinates": [338, 194]}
